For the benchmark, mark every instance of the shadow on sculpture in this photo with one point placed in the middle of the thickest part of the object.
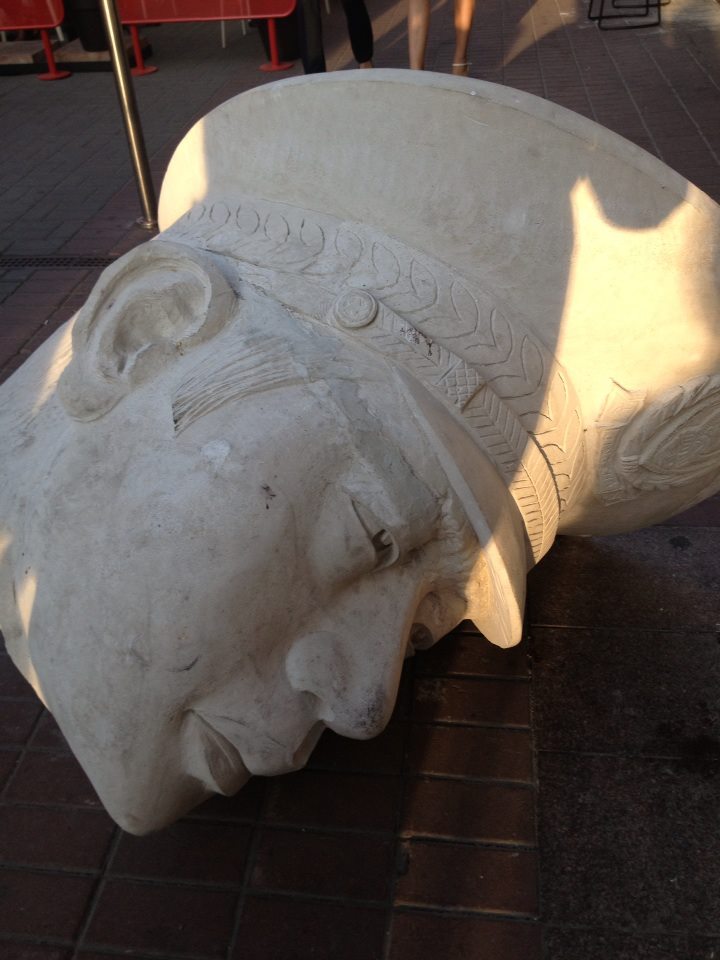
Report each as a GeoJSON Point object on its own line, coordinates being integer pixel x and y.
{"type": "Point", "coordinates": [345, 400]}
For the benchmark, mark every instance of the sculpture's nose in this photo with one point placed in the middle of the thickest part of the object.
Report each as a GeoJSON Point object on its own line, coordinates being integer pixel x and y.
{"type": "Point", "coordinates": [353, 671]}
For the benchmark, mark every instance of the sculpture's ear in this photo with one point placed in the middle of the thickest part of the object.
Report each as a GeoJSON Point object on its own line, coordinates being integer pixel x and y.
{"type": "Point", "coordinates": [150, 306]}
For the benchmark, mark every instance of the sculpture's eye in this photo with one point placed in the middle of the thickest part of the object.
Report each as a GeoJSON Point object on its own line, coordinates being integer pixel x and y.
{"type": "Point", "coordinates": [382, 541]}
{"type": "Point", "coordinates": [350, 542]}
{"type": "Point", "coordinates": [385, 548]}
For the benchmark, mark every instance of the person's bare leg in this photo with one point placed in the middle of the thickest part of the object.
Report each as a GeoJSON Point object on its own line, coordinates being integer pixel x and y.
{"type": "Point", "coordinates": [418, 25]}
{"type": "Point", "coordinates": [464, 12]}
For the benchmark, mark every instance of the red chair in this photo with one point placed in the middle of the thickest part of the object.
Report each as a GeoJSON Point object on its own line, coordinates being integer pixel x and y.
{"type": "Point", "coordinates": [136, 12]}
{"type": "Point", "coordinates": [42, 15]}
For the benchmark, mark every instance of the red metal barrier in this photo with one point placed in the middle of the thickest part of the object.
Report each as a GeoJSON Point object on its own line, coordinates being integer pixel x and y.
{"type": "Point", "coordinates": [42, 15]}
{"type": "Point", "coordinates": [135, 12]}
{"type": "Point", "coordinates": [31, 14]}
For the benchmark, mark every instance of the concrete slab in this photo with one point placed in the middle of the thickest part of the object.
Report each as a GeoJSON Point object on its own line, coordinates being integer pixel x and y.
{"type": "Point", "coordinates": [629, 846]}
{"type": "Point", "coordinates": [663, 578]}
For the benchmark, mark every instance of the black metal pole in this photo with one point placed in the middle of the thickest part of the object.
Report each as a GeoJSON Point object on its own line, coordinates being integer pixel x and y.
{"type": "Point", "coordinates": [128, 106]}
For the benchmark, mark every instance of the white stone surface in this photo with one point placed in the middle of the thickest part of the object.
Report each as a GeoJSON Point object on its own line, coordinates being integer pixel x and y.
{"type": "Point", "coordinates": [398, 331]}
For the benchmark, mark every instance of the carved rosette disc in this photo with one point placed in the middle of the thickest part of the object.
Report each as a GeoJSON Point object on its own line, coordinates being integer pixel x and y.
{"type": "Point", "coordinates": [672, 442]}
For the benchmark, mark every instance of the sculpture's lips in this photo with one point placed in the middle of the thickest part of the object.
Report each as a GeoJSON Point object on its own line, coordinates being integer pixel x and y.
{"type": "Point", "coordinates": [213, 758]}
{"type": "Point", "coordinates": [227, 764]}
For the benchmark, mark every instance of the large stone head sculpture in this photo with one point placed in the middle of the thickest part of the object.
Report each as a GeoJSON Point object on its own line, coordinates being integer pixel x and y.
{"type": "Point", "coordinates": [397, 332]}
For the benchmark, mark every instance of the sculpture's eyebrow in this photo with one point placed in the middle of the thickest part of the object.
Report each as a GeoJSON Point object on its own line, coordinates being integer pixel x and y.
{"type": "Point", "coordinates": [251, 364]}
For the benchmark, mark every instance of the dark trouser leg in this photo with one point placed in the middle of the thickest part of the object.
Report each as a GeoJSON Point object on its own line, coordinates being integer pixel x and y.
{"type": "Point", "coordinates": [359, 29]}
{"type": "Point", "coordinates": [310, 35]}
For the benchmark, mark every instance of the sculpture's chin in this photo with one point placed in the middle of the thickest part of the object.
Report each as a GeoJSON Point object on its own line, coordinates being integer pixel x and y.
{"type": "Point", "coordinates": [140, 812]}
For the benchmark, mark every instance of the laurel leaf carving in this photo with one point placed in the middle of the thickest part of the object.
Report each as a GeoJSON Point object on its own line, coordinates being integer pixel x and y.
{"type": "Point", "coordinates": [465, 308]}
{"type": "Point", "coordinates": [312, 236]}
{"type": "Point", "coordinates": [276, 228]}
{"type": "Point", "coordinates": [386, 264]}
{"type": "Point", "coordinates": [349, 246]}
{"type": "Point", "coordinates": [423, 284]}
{"type": "Point", "coordinates": [219, 213]}
{"type": "Point", "coordinates": [247, 220]}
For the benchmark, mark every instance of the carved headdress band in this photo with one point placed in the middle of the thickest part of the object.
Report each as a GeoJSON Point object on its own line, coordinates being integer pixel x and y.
{"type": "Point", "coordinates": [506, 386]}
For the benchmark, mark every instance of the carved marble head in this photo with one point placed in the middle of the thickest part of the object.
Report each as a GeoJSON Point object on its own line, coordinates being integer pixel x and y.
{"type": "Point", "coordinates": [310, 427]}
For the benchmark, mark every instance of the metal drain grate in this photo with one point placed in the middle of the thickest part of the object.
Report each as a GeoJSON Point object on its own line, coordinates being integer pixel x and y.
{"type": "Point", "coordinates": [55, 263]}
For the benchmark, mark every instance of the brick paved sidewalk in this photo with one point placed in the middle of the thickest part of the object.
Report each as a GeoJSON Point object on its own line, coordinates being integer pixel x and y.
{"type": "Point", "coordinates": [557, 800]}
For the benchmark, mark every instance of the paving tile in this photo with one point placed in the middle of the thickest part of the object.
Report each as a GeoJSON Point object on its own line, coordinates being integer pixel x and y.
{"type": "Point", "coordinates": [7, 287]}
{"type": "Point", "coordinates": [99, 955]}
{"type": "Point", "coordinates": [17, 274]}
{"type": "Point", "coordinates": [659, 578]}
{"type": "Point", "coordinates": [188, 850]}
{"type": "Point", "coordinates": [48, 736]}
{"type": "Point", "coordinates": [334, 800]}
{"type": "Point", "coordinates": [175, 920]}
{"type": "Point", "coordinates": [472, 701]}
{"type": "Point", "coordinates": [33, 951]}
{"type": "Point", "coordinates": [9, 346]}
{"type": "Point", "coordinates": [16, 325]}
{"type": "Point", "coordinates": [598, 944]}
{"type": "Point", "coordinates": [406, 693]}
{"type": "Point", "coordinates": [493, 813]}
{"type": "Point", "coordinates": [441, 874]}
{"type": "Point", "coordinates": [245, 805]}
{"type": "Point", "coordinates": [51, 778]}
{"type": "Point", "coordinates": [43, 905]}
{"type": "Point", "coordinates": [42, 836]}
{"type": "Point", "coordinates": [471, 655]}
{"type": "Point", "coordinates": [704, 948]}
{"type": "Point", "coordinates": [334, 865]}
{"type": "Point", "coordinates": [483, 752]}
{"type": "Point", "coordinates": [12, 683]}
{"type": "Point", "coordinates": [8, 761]}
{"type": "Point", "coordinates": [705, 514]}
{"type": "Point", "coordinates": [17, 719]}
{"type": "Point", "coordinates": [629, 843]}
{"type": "Point", "coordinates": [285, 929]}
{"type": "Point", "coordinates": [620, 691]}
{"type": "Point", "coordinates": [382, 754]}
{"type": "Point", "coordinates": [420, 935]}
